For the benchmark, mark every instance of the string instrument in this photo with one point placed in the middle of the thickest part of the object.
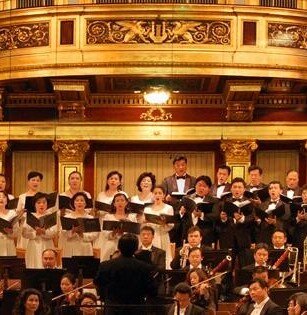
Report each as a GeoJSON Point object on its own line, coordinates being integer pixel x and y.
{"type": "Point", "coordinates": [72, 291]}
{"type": "Point", "coordinates": [246, 299]}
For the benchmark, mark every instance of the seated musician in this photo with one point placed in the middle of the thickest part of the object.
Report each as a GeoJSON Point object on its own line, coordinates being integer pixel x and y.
{"type": "Point", "coordinates": [258, 290]}
{"type": "Point", "coordinates": [298, 304]}
{"type": "Point", "coordinates": [158, 255]}
{"type": "Point", "coordinates": [279, 239]}
{"type": "Point", "coordinates": [203, 294]}
{"type": "Point", "coordinates": [87, 301]}
{"type": "Point", "coordinates": [49, 258]}
{"type": "Point", "coordinates": [183, 294]}
{"type": "Point", "coordinates": [194, 240]}
{"type": "Point", "coordinates": [261, 256]}
{"type": "Point", "coordinates": [195, 259]}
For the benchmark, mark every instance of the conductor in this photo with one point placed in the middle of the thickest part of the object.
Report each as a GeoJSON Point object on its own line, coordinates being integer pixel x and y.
{"type": "Point", "coordinates": [125, 279]}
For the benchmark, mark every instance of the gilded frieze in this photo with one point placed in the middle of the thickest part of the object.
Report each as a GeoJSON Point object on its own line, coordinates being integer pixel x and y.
{"type": "Point", "coordinates": [157, 32]}
{"type": "Point", "coordinates": [287, 35]}
{"type": "Point", "coordinates": [22, 36]}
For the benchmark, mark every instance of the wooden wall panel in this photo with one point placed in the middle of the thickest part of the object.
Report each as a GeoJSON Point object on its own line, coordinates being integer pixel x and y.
{"type": "Point", "coordinates": [132, 164]}
{"type": "Point", "coordinates": [275, 164]}
{"type": "Point", "coordinates": [26, 161]}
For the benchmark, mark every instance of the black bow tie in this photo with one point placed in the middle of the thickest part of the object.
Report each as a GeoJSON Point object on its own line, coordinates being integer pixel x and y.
{"type": "Point", "coordinates": [254, 187]}
{"type": "Point", "coordinates": [198, 196]}
{"type": "Point", "coordinates": [271, 202]}
{"type": "Point", "coordinates": [237, 199]}
{"type": "Point", "coordinates": [290, 189]}
{"type": "Point", "coordinates": [220, 185]}
{"type": "Point", "coordinates": [181, 177]}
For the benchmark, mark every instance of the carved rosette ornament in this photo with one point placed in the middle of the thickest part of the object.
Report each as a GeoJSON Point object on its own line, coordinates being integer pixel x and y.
{"type": "Point", "coordinates": [158, 31]}
{"type": "Point", "coordinates": [71, 151]}
{"type": "Point", "coordinates": [238, 151]}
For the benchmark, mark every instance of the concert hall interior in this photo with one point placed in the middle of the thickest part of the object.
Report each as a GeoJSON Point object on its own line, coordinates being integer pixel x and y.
{"type": "Point", "coordinates": [77, 116]}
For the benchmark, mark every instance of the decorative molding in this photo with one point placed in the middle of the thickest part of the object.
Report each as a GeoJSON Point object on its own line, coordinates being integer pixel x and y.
{"type": "Point", "coordinates": [287, 35]}
{"type": "Point", "coordinates": [3, 146]}
{"type": "Point", "coordinates": [24, 36]}
{"type": "Point", "coordinates": [71, 151]}
{"type": "Point", "coordinates": [156, 114]}
{"type": "Point", "coordinates": [158, 32]}
{"type": "Point", "coordinates": [238, 151]}
{"type": "Point", "coordinates": [240, 111]}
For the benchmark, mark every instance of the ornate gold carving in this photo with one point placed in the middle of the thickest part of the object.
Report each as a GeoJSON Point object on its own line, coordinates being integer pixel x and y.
{"type": "Point", "coordinates": [240, 111]}
{"type": "Point", "coordinates": [3, 146]}
{"type": "Point", "coordinates": [71, 151]}
{"type": "Point", "coordinates": [287, 35]}
{"type": "Point", "coordinates": [157, 32]}
{"type": "Point", "coordinates": [238, 151]}
{"type": "Point", "coordinates": [155, 114]}
{"type": "Point", "coordinates": [22, 36]}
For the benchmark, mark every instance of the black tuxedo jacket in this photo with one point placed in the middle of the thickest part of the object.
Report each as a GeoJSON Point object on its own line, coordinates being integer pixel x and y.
{"type": "Point", "coordinates": [124, 280]}
{"type": "Point", "coordinates": [214, 189]}
{"type": "Point", "coordinates": [158, 257]}
{"type": "Point", "coordinates": [191, 310]}
{"type": "Point", "coordinates": [270, 308]}
{"type": "Point", "coordinates": [297, 191]}
{"type": "Point", "coordinates": [170, 183]}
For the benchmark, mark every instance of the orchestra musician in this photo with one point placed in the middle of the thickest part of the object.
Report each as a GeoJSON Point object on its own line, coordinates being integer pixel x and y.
{"type": "Point", "coordinates": [297, 304]}
{"type": "Point", "coordinates": [262, 304]}
{"type": "Point", "coordinates": [261, 256]}
{"type": "Point", "coordinates": [279, 239]}
{"type": "Point", "coordinates": [204, 294]}
{"type": "Point", "coordinates": [158, 255]}
{"type": "Point", "coordinates": [181, 253]}
{"type": "Point", "coordinates": [183, 294]}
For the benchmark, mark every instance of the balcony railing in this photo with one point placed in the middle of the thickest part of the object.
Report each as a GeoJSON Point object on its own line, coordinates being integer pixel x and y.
{"type": "Point", "coordinates": [21, 4]}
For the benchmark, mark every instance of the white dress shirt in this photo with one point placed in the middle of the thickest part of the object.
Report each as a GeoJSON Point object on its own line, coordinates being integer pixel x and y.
{"type": "Point", "coordinates": [258, 307]}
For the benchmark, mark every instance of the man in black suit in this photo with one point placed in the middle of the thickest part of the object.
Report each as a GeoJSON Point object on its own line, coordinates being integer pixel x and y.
{"type": "Point", "coordinates": [158, 255]}
{"type": "Point", "coordinates": [263, 305]}
{"type": "Point", "coordinates": [222, 185]}
{"type": "Point", "coordinates": [183, 294]}
{"type": "Point", "coordinates": [292, 184]}
{"type": "Point", "coordinates": [125, 279]}
{"type": "Point", "coordinates": [180, 182]}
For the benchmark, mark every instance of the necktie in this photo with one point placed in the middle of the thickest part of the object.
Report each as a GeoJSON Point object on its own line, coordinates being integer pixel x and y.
{"type": "Point", "coordinates": [181, 177]}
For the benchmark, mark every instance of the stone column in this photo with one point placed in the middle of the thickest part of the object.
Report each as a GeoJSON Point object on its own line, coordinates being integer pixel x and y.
{"type": "Point", "coordinates": [238, 155]}
{"type": "Point", "coordinates": [71, 156]}
{"type": "Point", "coordinates": [3, 148]}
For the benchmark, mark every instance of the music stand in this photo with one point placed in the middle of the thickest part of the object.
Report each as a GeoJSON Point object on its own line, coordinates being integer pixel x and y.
{"type": "Point", "coordinates": [281, 296]}
{"type": "Point", "coordinates": [11, 267]}
{"type": "Point", "coordinates": [44, 280]}
{"type": "Point", "coordinates": [274, 254]}
{"type": "Point", "coordinates": [172, 278]}
{"type": "Point", "coordinates": [84, 266]}
{"type": "Point", "coordinates": [213, 257]}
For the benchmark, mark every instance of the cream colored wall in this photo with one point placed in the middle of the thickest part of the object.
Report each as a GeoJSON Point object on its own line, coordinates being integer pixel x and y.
{"type": "Point", "coordinates": [275, 164]}
{"type": "Point", "coordinates": [132, 164]}
{"type": "Point", "coordinates": [26, 161]}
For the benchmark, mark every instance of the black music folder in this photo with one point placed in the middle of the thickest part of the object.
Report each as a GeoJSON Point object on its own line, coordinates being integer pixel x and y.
{"type": "Point", "coordinates": [102, 206]}
{"type": "Point", "coordinates": [244, 207]}
{"type": "Point", "coordinates": [263, 214]}
{"type": "Point", "coordinates": [45, 221]}
{"type": "Point", "coordinates": [178, 195]}
{"type": "Point", "coordinates": [190, 205]}
{"type": "Point", "coordinates": [137, 207]}
{"type": "Point", "coordinates": [297, 207]}
{"type": "Point", "coordinates": [7, 223]}
{"type": "Point", "coordinates": [65, 202]}
{"type": "Point", "coordinates": [286, 199]}
{"type": "Point", "coordinates": [12, 204]}
{"type": "Point", "coordinates": [51, 201]}
{"type": "Point", "coordinates": [261, 193]}
{"type": "Point", "coordinates": [125, 226]}
{"type": "Point", "coordinates": [87, 224]}
{"type": "Point", "coordinates": [160, 219]}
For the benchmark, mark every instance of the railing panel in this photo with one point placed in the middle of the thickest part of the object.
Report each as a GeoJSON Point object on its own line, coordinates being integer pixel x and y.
{"type": "Point", "coordinates": [291, 4]}
{"type": "Point", "coordinates": [21, 4]}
